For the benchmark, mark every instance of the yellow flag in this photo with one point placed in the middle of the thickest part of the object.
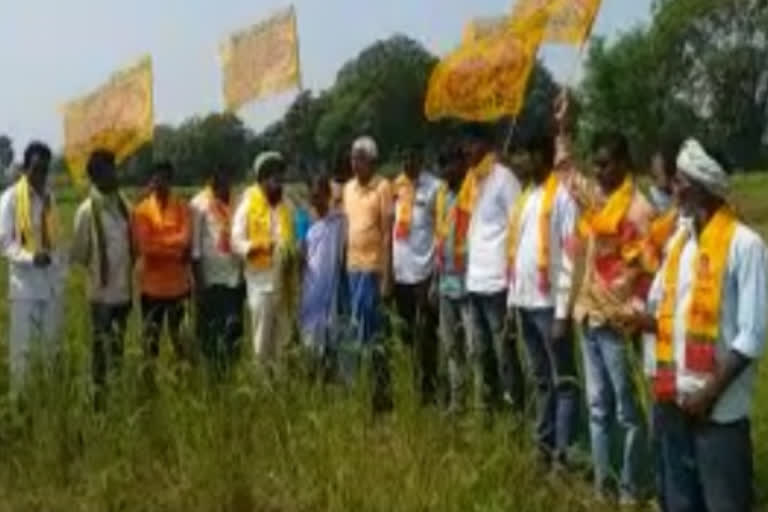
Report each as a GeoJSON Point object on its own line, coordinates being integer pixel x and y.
{"type": "Point", "coordinates": [479, 28]}
{"type": "Point", "coordinates": [484, 80]}
{"type": "Point", "coordinates": [261, 60]}
{"type": "Point", "coordinates": [118, 116]}
{"type": "Point", "coordinates": [569, 21]}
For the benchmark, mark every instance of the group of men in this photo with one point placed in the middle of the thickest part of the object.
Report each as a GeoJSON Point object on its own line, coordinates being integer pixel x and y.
{"type": "Point", "coordinates": [467, 260]}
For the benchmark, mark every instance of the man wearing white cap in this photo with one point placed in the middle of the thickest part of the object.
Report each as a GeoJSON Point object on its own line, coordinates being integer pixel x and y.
{"type": "Point", "coordinates": [262, 228]}
{"type": "Point", "coordinates": [707, 310]}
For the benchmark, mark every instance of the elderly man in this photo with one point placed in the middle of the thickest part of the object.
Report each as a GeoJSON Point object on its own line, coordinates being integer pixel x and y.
{"type": "Point", "coordinates": [262, 232]}
{"type": "Point", "coordinates": [368, 207]}
{"type": "Point", "coordinates": [413, 263]}
{"type": "Point", "coordinates": [28, 229]}
{"type": "Point", "coordinates": [707, 311]}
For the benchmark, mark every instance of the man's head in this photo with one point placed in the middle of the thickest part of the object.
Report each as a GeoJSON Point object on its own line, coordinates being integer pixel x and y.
{"type": "Point", "coordinates": [102, 171]}
{"type": "Point", "coordinates": [477, 143]}
{"type": "Point", "coordinates": [363, 157]}
{"type": "Point", "coordinates": [320, 193]}
{"type": "Point", "coordinates": [453, 165]}
{"type": "Point", "coordinates": [611, 159]}
{"type": "Point", "coordinates": [664, 164]}
{"type": "Point", "coordinates": [161, 178]}
{"type": "Point", "coordinates": [220, 178]}
{"type": "Point", "coordinates": [414, 161]}
{"type": "Point", "coordinates": [37, 162]}
{"type": "Point", "coordinates": [702, 180]}
{"type": "Point", "coordinates": [270, 171]}
{"type": "Point", "coordinates": [541, 155]}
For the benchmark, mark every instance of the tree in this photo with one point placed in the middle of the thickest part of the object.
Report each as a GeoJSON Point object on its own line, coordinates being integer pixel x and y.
{"type": "Point", "coordinates": [6, 151]}
{"type": "Point", "coordinates": [698, 70]}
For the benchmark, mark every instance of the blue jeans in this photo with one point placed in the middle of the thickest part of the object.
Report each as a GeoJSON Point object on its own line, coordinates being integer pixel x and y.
{"type": "Point", "coordinates": [454, 322]}
{"type": "Point", "coordinates": [498, 374]}
{"type": "Point", "coordinates": [554, 372]}
{"type": "Point", "coordinates": [701, 467]}
{"type": "Point", "coordinates": [612, 395]}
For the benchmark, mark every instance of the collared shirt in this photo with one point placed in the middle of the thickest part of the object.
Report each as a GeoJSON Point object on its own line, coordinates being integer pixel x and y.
{"type": "Point", "coordinates": [369, 223]}
{"type": "Point", "coordinates": [451, 279]}
{"type": "Point", "coordinates": [414, 259]}
{"type": "Point", "coordinates": [258, 281]}
{"type": "Point", "coordinates": [524, 291]}
{"type": "Point", "coordinates": [220, 265]}
{"type": "Point", "coordinates": [118, 288]}
{"type": "Point", "coordinates": [163, 242]}
{"type": "Point", "coordinates": [742, 318]}
{"type": "Point", "coordinates": [25, 280]}
{"type": "Point", "coordinates": [488, 231]}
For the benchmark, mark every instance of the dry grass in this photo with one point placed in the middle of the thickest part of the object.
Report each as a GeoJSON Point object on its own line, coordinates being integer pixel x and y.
{"type": "Point", "coordinates": [270, 443]}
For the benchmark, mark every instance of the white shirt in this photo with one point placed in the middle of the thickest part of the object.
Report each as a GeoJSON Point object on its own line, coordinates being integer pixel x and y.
{"type": "Point", "coordinates": [414, 259]}
{"type": "Point", "coordinates": [488, 230]}
{"type": "Point", "coordinates": [219, 267]}
{"type": "Point", "coordinates": [743, 311]}
{"type": "Point", "coordinates": [25, 280]}
{"type": "Point", "coordinates": [118, 289]}
{"type": "Point", "coordinates": [257, 281]}
{"type": "Point", "coordinates": [524, 291]}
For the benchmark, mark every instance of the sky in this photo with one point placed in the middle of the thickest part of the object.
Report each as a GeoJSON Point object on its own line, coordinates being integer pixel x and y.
{"type": "Point", "coordinates": [55, 50]}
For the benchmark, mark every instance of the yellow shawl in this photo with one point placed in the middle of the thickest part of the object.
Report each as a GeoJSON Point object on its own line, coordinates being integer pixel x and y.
{"type": "Point", "coordinates": [607, 220]}
{"type": "Point", "coordinates": [545, 215]}
{"type": "Point", "coordinates": [24, 224]}
{"type": "Point", "coordinates": [703, 315]}
{"type": "Point", "coordinates": [260, 227]}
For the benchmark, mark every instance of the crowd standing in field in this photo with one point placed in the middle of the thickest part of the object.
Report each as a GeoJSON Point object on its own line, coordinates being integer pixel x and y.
{"type": "Point", "coordinates": [467, 259]}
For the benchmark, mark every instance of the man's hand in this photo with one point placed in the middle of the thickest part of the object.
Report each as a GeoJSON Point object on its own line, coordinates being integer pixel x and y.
{"type": "Point", "coordinates": [560, 330]}
{"type": "Point", "coordinates": [42, 259]}
{"type": "Point", "coordinates": [699, 405]}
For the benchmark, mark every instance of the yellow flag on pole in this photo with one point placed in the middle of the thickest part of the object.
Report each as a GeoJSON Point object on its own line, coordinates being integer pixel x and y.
{"type": "Point", "coordinates": [118, 116]}
{"type": "Point", "coordinates": [569, 21]}
{"type": "Point", "coordinates": [261, 60]}
{"type": "Point", "coordinates": [484, 80]}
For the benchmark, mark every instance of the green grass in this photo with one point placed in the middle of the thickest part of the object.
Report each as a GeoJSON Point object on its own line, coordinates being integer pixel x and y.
{"type": "Point", "coordinates": [270, 443]}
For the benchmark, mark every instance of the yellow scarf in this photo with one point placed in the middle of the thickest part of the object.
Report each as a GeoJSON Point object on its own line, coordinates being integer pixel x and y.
{"type": "Point", "coordinates": [703, 315]}
{"type": "Point", "coordinates": [607, 220]}
{"type": "Point", "coordinates": [24, 224]}
{"type": "Point", "coordinates": [260, 227]}
{"type": "Point", "coordinates": [545, 216]}
{"type": "Point", "coordinates": [468, 192]}
{"type": "Point", "coordinates": [405, 190]}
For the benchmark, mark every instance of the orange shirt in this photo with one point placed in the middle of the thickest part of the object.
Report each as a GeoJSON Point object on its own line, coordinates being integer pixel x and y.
{"type": "Point", "coordinates": [369, 219]}
{"type": "Point", "coordinates": [163, 239]}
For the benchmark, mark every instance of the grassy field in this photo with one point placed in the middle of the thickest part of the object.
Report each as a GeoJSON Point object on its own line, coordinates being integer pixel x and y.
{"type": "Point", "coordinates": [271, 443]}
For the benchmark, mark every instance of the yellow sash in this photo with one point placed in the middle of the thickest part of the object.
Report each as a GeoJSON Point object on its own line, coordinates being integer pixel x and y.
{"type": "Point", "coordinates": [607, 220]}
{"type": "Point", "coordinates": [703, 315]}
{"type": "Point", "coordinates": [260, 227]}
{"type": "Point", "coordinates": [545, 216]}
{"type": "Point", "coordinates": [405, 190]}
{"type": "Point", "coordinates": [24, 223]}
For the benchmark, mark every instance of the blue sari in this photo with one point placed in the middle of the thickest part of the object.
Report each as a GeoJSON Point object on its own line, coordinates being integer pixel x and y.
{"type": "Point", "coordinates": [323, 284]}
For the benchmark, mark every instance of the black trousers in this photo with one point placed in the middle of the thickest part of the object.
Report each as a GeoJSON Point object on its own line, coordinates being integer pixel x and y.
{"type": "Point", "coordinates": [109, 323]}
{"type": "Point", "coordinates": [220, 324]}
{"type": "Point", "coordinates": [154, 313]}
{"type": "Point", "coordinates": [418, 330]}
